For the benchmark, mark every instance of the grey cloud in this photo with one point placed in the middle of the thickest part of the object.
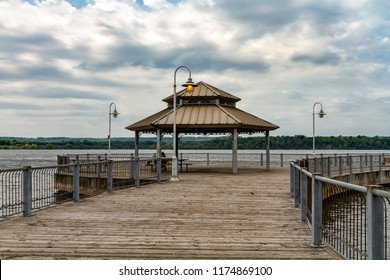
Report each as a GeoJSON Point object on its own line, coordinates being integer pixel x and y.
{"type": "Point", "coordinates": [25, 42]}
{"type": "Point", "coordinates": [38, 43]}
{"type": "Point", "coordinates": [65, 93]}
{"type": "Point", "coordinates": [266, 16]}
{"type": "Point", "coordinates": [5, 105]}
{"type": "Point", "coordinates": [35, 72]}
{"type": "Point", "coordinates": [264, 13]}
{"type": "Point", "coordinates": [221, 63]}
{"type": "Point", "coordinates": [202, 56]}
{"type": "Point", "coordinates": [320, 59]}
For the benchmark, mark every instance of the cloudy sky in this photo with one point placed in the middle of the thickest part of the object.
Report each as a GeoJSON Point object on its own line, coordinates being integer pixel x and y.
{"type": "Point", "coordinates": [63, 62]}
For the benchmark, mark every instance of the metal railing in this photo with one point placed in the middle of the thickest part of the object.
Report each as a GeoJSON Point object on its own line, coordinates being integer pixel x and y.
{"type": "Point", "coordinates": [30, 188]}
{"type": "Point", "coordinates": [350, 217]}
{"type": "Point", "coordinates": [212, 158]}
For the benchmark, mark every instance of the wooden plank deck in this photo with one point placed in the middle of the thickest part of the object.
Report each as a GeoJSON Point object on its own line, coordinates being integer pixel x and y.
{"type": "Point", "coordinates": [207, 215]}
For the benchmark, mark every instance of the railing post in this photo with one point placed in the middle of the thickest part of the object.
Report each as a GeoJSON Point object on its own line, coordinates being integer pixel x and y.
{"type": "Point", "coordinates": [261, 159]}
{"type": "Point", "coordinates": [281, 160]}
{"type": "Point", "coordinates": [381, 174]}
{"type": "Point", "coordinates": [98, 167]}
{"type": "Point", "coordinates": [361, 163]}
{"type": "Point", "coordinates": [340, 165]}
{"type": "Point", "coordinates": [208, 158]}
{"type": "Point", "coordinates": [76, 182]}
{"type": "Point", "coordinates": [350, 159]}
{"type": "Point", "coordinates": [292, 178]}
{"type": "Point", "coordinates": [296, 187]}
{"type": "Point", "coordinates": [109, 176]}
{"type": "Point", "coordinates": [132, 166]}
{"type": "Point", "coordinates": [375, 225]}
{"type": "Point", "coordinates": [316, 219]}
{"type": "Point", "coordinates": [303, 197]}
{"type": "Point", "coordinates": [371, 164]}
{"type": "Point", "coordinates": [137, 172]}
{"type": "Point", "coordinates": [27, 191]}
{"type": "Point", "coordinates": [158, 168]}
{"type": "Point", "coordinates": [329, 166]}
{"type": "Point", "coordinates": [350, 164]}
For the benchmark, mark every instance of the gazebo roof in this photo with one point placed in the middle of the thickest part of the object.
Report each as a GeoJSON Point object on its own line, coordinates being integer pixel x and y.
{"type": "Point", "coordinates": [203, 91]}
{"type": "Point", "coordinates": [205, 110]}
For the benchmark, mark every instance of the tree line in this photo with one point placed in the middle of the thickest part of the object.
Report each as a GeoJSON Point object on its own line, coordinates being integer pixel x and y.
{"type": "Point", "coordinates": [297, 142]}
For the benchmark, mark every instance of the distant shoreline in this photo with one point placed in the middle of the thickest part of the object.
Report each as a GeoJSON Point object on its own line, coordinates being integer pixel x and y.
{"type": "Point", "coordinates": [297, 142]}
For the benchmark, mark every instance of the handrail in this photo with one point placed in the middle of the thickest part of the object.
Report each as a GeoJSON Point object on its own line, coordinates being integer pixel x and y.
{"type": "Point", "coordinates": [341, 184]}
{"type": "Point", "coordinates": [347, 216]}
{"type": "Point", "coordinates": [29, 188]}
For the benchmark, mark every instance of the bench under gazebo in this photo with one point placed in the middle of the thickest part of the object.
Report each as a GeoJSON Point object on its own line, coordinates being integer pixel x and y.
{"type": "Point", "coordinates": [205, 110]}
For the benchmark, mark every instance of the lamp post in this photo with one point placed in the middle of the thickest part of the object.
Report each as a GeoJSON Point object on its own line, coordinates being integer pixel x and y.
{"type": "Point", "coordinates": [190, 87]}
{"type": "Point", "coordinates": [321, 114]}
{"type": "Point", "coordinates": [115, 115]}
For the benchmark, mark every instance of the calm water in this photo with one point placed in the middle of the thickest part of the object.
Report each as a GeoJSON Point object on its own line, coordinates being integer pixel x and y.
{"type": "Point", "coordinates": [38, 158]}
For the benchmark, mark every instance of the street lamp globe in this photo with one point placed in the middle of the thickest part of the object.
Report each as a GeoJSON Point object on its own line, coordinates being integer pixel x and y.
{"type": "Point", "coordinates": [321, 114]}
{"type": "Point", "coordinates": [115, 114]}
{"type": "Point", "coordinates": [189, 85]}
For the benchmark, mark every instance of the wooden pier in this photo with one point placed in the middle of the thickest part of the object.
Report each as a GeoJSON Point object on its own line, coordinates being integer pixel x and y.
{"type": "Point", "coordinates": [209, 214]}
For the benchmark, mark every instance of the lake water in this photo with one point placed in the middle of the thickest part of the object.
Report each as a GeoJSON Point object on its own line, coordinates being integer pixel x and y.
{"type": "Point", "coordinates": [39, 158]}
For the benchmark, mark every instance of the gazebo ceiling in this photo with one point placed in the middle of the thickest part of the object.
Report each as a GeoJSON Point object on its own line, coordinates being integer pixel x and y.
{"type": "Point", "coordinates": [205, 110]}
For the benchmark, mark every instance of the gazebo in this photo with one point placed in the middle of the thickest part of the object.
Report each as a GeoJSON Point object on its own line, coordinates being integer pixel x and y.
{"type": "Point", "coordinates": [205, 110]}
